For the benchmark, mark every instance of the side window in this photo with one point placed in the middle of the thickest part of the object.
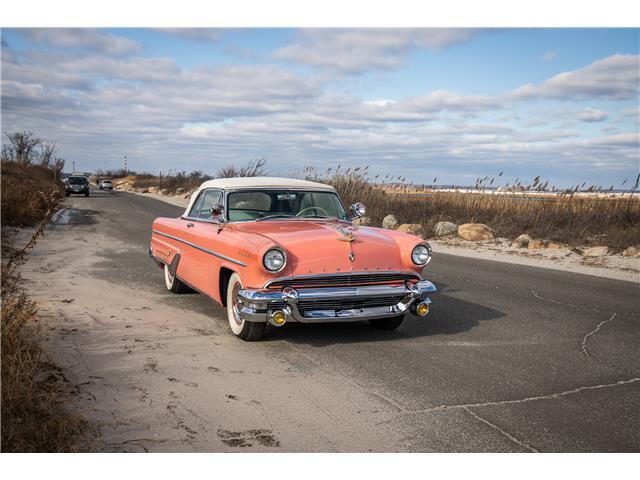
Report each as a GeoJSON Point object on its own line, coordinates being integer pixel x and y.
{"type": "Point", "coordinates": [210, 197]}
{"type": "Point", "coordinates": [196, 205]}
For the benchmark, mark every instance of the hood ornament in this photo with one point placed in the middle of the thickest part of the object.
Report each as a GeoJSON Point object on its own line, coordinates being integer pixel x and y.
{"type": "Point", "coordinates": [347, 236]}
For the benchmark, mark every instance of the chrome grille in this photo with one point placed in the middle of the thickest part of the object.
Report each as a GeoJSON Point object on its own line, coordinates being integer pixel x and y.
{"type": "Point", "coordinates": [348, 303]}
{"type": "Point", "coordinates": [346, 279]}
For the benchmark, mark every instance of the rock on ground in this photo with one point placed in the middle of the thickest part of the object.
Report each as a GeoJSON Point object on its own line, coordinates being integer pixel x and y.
{"type": "Point", "coordinates": [446, 229]}
{"type": "Point", "coordinates": [522, 241]}
{"type": "Point", "coordinates": [362, 221]}
{"type": "Point", "coordinates": [535, 245]}
{"type": "Point", "coordinates": [595, 251]}
{"type": "Point", "coordinates": [475, 232]}
{"type": "Point", "coordinates": [390, 222]}
{"type": "Point", "coordinates": [412, 229]}
{"type": "Point", "coordinates": [631, 252]}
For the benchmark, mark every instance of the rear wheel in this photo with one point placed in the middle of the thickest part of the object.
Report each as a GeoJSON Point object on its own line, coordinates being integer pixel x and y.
{"type": "Point", "coordinates": [247, 331]}
{"type": "Point", "coordinates": [387, 323]}
{"type": "Point", "coordinates": [86, 194]}
{"type": "Point", "coordinates": [173, 283]}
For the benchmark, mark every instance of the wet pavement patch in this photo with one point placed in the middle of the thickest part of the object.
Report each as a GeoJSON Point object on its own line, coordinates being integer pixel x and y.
{"type": "Point", "coordinates": [73, 216]}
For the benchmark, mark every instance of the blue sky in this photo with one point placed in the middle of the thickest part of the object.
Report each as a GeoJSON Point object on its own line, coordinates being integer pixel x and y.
{"type": "Point", "coordinates": [451, 103]}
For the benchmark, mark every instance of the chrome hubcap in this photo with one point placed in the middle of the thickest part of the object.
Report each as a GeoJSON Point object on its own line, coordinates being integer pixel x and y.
{"type": "Point", "coordinates": [237, 305]}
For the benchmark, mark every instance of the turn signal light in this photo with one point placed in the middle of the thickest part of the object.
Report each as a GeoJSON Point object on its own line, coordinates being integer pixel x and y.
{"type": "Point", "coordinates": [278, 317]}
{"type": "Point", "coordinates": [422, 309]}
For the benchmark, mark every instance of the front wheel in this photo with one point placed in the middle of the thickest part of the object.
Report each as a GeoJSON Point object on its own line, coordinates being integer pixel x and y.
{"type": "Point", "coordinates": [247, 331]}
{"type": "Point", "coordinates": [387, 323]}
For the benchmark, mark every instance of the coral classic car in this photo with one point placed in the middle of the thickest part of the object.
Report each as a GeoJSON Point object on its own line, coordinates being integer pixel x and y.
{"type": "Point", "coordinates": [279, 250]}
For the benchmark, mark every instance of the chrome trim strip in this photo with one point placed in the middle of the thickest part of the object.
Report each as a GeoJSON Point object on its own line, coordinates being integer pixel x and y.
{"type": "Point", "coordinates": [202, 249]}
{"type": "Point", "coordinates": [340, 274]}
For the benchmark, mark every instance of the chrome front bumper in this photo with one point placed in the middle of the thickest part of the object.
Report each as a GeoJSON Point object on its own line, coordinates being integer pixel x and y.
{"type": "Point", "coordinates": [309, 305]}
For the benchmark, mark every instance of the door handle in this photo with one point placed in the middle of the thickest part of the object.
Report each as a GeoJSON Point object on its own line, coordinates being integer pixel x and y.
{"type": "Point", "coordinates": [190, 224]}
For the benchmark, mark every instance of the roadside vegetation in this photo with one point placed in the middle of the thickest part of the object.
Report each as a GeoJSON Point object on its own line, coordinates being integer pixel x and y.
{"type": "Point", "coordinates": [568, 217]}
{"type": "Point", "coordinates": [34, 391]}
{"type": "Point", "coordinates": [565, 218]}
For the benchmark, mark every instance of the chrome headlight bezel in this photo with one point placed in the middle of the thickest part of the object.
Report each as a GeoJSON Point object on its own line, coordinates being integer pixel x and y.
{"type": "Point", "coordinates": [424, 254]}
{"type": "Point", "coordinates": [265, 260]}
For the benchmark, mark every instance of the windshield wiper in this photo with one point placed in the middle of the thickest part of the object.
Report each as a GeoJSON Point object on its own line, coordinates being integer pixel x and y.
{"type": "Point", "coordinates": [277, 215]}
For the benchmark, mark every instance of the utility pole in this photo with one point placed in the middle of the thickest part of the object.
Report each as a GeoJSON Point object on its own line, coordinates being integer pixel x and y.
{"type": "Point", "coordinates": [74, 168]}
{"type": "Point", "coordinates": [126, 169]}
{"type": "Point", "coordinates": [160, 187]}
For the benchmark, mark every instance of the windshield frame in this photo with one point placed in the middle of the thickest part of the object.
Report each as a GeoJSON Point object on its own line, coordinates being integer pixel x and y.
{"type": "Point", "coordinates": [285, 189]}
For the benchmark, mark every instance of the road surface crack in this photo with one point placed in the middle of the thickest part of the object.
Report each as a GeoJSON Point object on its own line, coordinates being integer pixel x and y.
{"type": "Point", "coordinates": [585, 339]}
{"type": "Point", "coordinates": [526, 399]}
{"type": "Point", "coordinates": [504, 433]}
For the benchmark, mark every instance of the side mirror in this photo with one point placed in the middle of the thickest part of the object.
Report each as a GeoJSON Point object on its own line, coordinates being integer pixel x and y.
{"type": "Point", "coordinates": [217, 212]}
{"type": "Point", "coordinates": [358, 210]}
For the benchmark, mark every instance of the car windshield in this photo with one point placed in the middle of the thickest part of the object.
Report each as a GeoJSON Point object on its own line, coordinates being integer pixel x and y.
{"type": "Point", "coordinates": [283, 204]}
{"type": "Point", "coordinates": [77, 180]}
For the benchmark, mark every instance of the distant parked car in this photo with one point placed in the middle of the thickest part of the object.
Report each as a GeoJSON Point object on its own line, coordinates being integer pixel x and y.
{"type": "Point", "coordinates": [105, 185]}
{"type": "Point", "coordinates": [77, 185]}
{"type": "Point", "coordinates": [279, 250]}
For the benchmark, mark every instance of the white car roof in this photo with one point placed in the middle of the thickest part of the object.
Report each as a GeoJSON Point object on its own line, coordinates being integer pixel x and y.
{"type": "Point", "coordinates": [257, 182]}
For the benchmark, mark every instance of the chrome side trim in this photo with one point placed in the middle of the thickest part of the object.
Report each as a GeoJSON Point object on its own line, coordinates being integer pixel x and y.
{"type": "Point", "coordinates": [202, 249]}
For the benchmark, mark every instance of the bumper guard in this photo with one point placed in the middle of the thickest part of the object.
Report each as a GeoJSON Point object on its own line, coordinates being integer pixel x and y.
{"type": "Point", "coordinates": [259, 305]}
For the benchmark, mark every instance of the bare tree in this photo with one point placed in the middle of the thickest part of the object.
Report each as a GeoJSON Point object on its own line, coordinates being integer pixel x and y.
{"type": "Point", "coordinates": [22, 144]}
{"type": "Point", "coordinates": [47, 152]}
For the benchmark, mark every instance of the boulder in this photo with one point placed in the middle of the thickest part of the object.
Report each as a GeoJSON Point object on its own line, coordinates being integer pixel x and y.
{"type": "Point", "coordinates": [179, 191]}
{"type": "Point", "coordinates": [412, 229]}
{"type": "Point", "coordinates": [390, 222]}
{"type": "Point", "coordinates": [555, 246]}
{"type": "Point", "coordinates": [595, 251]}
{"type": "Point", "coordinates": [446, 229]}
{"type": "Point", "coordinates": [144, 190]}
{"type": "Point", "coordinates": [362, 221]}
{"type": "Point", "coordinates": [522, 241]}
{"type": "Point", "coordinates": [475, 232]}
{"type": "Point", "coordinates": [631, 252]}
{"type": "Point", "coordinates": [535, 245]}
{"type": "Point", "coordinates": [153, 189]}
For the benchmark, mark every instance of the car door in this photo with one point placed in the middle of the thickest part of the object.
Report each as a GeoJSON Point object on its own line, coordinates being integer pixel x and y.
{"type": "Point", "coordinates": [201, 265]}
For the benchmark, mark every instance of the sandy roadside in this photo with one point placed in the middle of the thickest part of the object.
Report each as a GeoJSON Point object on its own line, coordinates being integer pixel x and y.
{"type": "Point", "coordinates": [155, 376]}
{"type": "Point", "coordinates": [615, 267]}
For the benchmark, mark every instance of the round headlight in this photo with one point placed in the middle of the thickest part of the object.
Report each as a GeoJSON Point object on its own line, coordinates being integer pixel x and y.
{"type": "Point", "coordinates": [274, 260]}
{"type": "Point", "coordinates": [420, 255]}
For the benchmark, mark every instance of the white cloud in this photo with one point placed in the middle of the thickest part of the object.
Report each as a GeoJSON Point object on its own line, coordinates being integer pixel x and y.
{"type": "Point", "coordinates": [591, 115]}
{"type": "Point", "coordinates": [82, 38]}
{"type": "Point", "coordinates": [357, 50]}
{"type": "Point", "coordinates": [616, 77]}
{"type": "Point", "coordinates": [165, 116]}
{"type": "Point", "coordinates": [195, 34]}
{"type": "Point", "coordinates": [548, 56]}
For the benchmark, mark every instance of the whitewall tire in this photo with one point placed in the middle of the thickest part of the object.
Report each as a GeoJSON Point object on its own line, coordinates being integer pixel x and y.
{"type": "Point", "coordinates": [248, 331]}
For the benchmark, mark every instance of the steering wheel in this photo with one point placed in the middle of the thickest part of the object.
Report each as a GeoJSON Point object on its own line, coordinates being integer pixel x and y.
{"type": "Point", "coordinates": [299, 214]}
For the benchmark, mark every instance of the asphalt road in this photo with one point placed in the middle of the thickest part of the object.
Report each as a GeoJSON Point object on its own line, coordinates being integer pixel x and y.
{"type": "Point", "coordinates": [511, 358]}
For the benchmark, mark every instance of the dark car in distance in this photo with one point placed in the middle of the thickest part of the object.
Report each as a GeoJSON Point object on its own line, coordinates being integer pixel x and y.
{"type": "Point", "coordinates": [77, 185]}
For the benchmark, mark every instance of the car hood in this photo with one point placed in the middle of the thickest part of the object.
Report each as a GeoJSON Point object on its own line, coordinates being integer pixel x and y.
{"type": "Point", "coordinates": [317, 247]}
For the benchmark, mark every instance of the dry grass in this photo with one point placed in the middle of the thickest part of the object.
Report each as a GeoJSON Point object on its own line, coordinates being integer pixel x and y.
{"type": "Point", "coordinates": [569, 218]}
{"type": "Point", "coordinates": [27, 193]}
{"type": "Point", "coordinates": [34, 391]}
